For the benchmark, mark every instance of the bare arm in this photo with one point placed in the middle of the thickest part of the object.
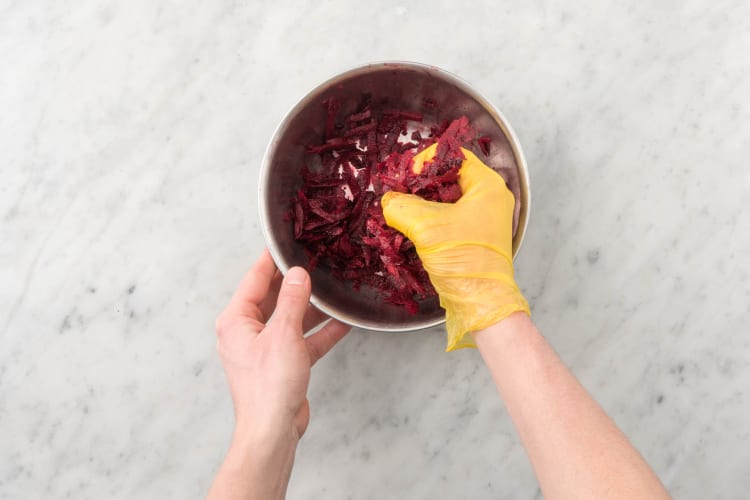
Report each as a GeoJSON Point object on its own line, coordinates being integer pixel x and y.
{"type": "Point", "coordinates": [466, 247]}
{"type": "Point", "coordinates": [255, 468]}
{"type": "Point", "coordinates": [576, 450]}
{"type": "Point", "coordinates": [267, 361]}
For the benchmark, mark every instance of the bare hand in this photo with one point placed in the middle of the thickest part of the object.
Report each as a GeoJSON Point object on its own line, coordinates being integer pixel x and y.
{"type": "Point", "coordinates": [266, 357]}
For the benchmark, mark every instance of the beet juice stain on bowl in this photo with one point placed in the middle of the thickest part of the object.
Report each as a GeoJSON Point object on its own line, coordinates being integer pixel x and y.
{"type": "Point", "coordinates": [344, 145]}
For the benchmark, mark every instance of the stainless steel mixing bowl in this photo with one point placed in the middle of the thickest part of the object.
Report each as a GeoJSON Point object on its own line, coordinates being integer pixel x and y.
{"type": "Point", "coordinates": [404, 85]}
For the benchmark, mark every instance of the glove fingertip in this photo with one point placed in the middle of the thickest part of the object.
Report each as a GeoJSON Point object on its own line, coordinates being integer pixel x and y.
{"type": "Point", "coordinates": [388, 197]}
{"type": "Point", "coordinates": [396, 210]}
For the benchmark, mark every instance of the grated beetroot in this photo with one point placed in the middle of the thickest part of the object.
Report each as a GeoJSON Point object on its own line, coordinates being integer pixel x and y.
{"type": "Point", "coordinates": [336, 213]}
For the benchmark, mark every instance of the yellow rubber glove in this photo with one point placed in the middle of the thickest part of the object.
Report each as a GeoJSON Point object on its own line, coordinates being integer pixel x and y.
{"type": "Point", "coordinates": [466, 247]}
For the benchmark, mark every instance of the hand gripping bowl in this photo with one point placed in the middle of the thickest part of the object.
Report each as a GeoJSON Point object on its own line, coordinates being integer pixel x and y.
{"type": "Point", "coordinates": [405, 85]}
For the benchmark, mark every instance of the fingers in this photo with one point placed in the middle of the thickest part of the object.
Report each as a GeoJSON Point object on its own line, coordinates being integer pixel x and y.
{"type": "Point", "coordinates": [319, 343]}
{"type": "Point", "coordinates": [313, 315]}
{"type": "Point", "coordinates": [403, 212]}
{"type": "Point", "coordinates": [425, 155]}
{"type": "Point", "coordinates": [293, 300]}
{"type": "Point", "coordinates": [474, 173]}
{"type": "Point", "coordinates": [253, 288]}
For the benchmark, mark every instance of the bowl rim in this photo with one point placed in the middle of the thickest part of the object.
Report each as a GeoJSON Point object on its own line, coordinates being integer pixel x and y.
{"type": "Point", "coordinates": [462, 84]}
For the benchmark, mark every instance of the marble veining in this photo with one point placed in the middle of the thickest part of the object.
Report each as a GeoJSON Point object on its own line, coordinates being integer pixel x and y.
{"type": "Point", "coordinates": [130, 140]}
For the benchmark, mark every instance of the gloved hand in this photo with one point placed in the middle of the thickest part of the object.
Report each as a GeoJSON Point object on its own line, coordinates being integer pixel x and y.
{"type": "Point", "coordinates": [466, 247]}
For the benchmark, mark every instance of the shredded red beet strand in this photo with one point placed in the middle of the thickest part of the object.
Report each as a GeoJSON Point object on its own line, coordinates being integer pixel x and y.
{"type": "Point", "coordinates": [337, 215]}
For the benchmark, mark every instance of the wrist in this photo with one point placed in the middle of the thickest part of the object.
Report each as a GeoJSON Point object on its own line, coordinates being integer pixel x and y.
{"type": "Point", "coordinates": [260, 462]}
{"type": "Point", "coordinates": [486, 304]}
{"type": "Point", "coordinates": [263, 441]}
{"type": "Point", "coordinates": [506, 333]}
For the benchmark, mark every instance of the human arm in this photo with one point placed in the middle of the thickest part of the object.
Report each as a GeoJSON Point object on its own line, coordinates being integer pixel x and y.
{"type": "Point", "coordinates": [576, 450]}
{"type": "Point", "coordinates": [267, 361]}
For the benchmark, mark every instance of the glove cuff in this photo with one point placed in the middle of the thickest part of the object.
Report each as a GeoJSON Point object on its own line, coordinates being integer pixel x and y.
{"type": "Point", "coordinates": [465, 317]}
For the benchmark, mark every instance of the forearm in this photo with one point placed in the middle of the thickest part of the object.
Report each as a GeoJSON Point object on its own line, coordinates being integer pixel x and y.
{"type": "Point", "coordinates": [255, 469]}
{"type": "Point", "coordinates": [575, 448]}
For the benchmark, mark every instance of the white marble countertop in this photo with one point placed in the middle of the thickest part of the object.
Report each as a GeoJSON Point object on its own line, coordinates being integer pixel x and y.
{"type": "Point", "coordinates": [130, 140]}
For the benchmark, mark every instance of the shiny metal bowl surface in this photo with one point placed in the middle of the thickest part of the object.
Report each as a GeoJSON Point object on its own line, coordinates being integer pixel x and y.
{"type": "Point", "coordinates": [404, 85]}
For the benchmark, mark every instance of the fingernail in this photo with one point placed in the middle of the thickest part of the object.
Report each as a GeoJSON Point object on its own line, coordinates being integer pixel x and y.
{"type": "Point", "coordinates": [295, 276]}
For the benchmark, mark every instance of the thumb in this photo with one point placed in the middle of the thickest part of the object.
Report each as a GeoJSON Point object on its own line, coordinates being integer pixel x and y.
{"type": "Point", "coordinates": [407, 213]}
{"type": "Point", "coordinates": [291, 305]}
{"type": "Point", "coordinates": [475, 175]}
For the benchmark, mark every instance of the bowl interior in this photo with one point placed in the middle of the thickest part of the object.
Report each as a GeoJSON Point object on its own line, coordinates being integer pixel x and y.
{"type": "Point", "coordinates": [395, 85]}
